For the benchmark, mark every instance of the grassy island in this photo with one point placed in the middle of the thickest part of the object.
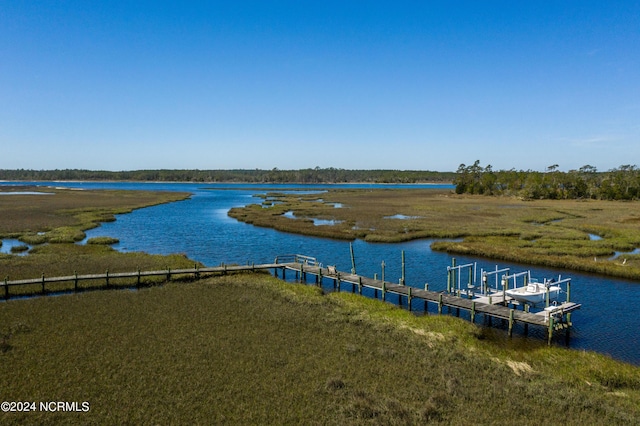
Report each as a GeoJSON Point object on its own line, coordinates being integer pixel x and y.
{"type": "Point", "coordinates": [584, 235]}
{"type": "Point", "coordinates": [52, 222]}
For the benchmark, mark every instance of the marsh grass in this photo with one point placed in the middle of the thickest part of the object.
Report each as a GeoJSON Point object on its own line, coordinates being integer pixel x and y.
{"type": "Point", "coordinates": [107, 241]}
{"type": "Point", "coordinates": [20, 248]}
{"type": "Point", "coordinates": [64, 216]}
{"type": "Point", "coordinates": [67, 259]}
{"type": "Point", "coordinates": [53, 222]}
{"type": "Point", "coordinates": [553, 233]}
{"type": "Point", "coordinates": [251, 349]}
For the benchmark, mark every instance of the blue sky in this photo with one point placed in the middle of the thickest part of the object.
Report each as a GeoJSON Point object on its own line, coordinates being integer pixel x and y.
{"type": "Point", "coordinates": [410, 85]}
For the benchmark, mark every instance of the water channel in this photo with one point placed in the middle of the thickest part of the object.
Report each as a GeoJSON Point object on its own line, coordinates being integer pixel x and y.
{"type": "Point", "coordinates": [200, 228]}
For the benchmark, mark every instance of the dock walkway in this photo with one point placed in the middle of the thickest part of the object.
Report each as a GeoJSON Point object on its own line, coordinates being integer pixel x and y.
{"type": "Point", "coordinates": [553, 318]}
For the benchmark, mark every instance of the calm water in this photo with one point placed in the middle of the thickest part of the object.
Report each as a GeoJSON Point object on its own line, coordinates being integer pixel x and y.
{"type": "Point", "coordinates": [200, 228]}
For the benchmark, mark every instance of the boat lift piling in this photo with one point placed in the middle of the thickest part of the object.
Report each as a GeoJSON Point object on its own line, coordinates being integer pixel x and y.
{"type": "Point", "coordinates": [486, 289]}
{"type": "Point", "coordinates": [454, 272]}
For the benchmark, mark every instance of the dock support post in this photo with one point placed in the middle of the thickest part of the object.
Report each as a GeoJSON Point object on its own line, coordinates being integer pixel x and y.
{"type": "Point", "coordinates": [526, 325]}
{"type": "Point", "coordinates": [473, 312]}
{"type": "Point", "coordinates": [43, 281]}
{"type": "Point", "coordinates": [568, 300]}
{"type": "Point", "coordinates": [403, 269]}
{"type": "Point", "coordinates": [453, 274]}
{"type": "Point", "coordinates": [550, 333]}
{"type": "Point", "coordinates": [546, 298]}
{"type": "Point", "coordinates": [138, 283]}
{"type": "Point", "coordinates": [426, 306]}
{"type": "Point", "coordinates": [302, 274]}
{"type": "Point", "coordinates": [353, 259]}
{"type": "Point", "coordinates": [75, 281]}
{"type": "Point", "coordinates": [359, 285]}
{"type": "Point", "coordinates": [6, 288]}
{"type": "Point", "coordinates": [510, 322]}
{"type": "Point", "coordinates": [384, 291]}
{"type": "Point", "coordinates": [383, 265]}
{"type": "Point", "coordinates": [409, 300]}
{"type": "Point", "coordinates": [196, 274]}
{"type": "Point", "coordinates": [106, 277]}
{"type": "Point", "coordinates": [168, 274]}
{"type": "Point", "coordinates": [440, 303]}
{"type": "Point", "coordinates": [505, 287]}
{"type": "Point", "coordinates": [319, 277]}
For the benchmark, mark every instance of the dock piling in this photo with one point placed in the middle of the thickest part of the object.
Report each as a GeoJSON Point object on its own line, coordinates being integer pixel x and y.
{"type": "Point", "coordinates": [402, 282]}
{"type": "Point", "coordinates": [511, 322]}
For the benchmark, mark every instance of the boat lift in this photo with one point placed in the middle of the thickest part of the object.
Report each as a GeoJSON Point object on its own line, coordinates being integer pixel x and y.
{"type": "Point", "coordinates": [486, 289]}
{"type": "Point", "coordinates": [454, 273]}
{"type": "Point", "coordinates": [473, 289]}
{"type": "Point", "coordinates": [527, 280]}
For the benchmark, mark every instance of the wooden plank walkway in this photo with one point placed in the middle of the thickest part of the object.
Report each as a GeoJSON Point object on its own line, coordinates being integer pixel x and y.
{"type": "Point", "coordinates": [553, 318]}
{"type": "Point", "coordinates": [138, 275]}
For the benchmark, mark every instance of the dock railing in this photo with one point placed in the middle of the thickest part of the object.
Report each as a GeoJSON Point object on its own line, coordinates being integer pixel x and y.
{"type": "Point", "coordinates": [43, 284]}
{"type": "Point", "coordinates": [297, 258]}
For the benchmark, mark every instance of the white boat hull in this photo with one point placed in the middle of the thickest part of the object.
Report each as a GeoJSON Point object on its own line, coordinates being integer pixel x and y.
{"type": "Point", "coordinates": [534, 293]}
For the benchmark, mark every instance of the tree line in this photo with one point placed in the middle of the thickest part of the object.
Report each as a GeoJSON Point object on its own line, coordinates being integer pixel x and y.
{"type": "Point", "coordinates": [315, 175]}
{"type": "Point", "coordinates": [622, 183]}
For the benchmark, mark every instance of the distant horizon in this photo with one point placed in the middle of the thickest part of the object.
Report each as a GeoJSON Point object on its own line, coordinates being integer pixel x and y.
{"type": "Point", "coordinates": [154, 85]}
{"type": "Point", "coordinates": [276, 169]}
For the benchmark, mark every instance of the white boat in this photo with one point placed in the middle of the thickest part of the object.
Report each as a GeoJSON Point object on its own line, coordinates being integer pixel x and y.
{"type": "Point", "coordinates": [534, 292]}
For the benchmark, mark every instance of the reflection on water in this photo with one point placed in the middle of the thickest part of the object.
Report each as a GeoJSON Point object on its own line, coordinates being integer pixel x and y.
{"type": "Point", "coordinates": [401, 217]}
{"type": "Point", "coordinates": [11, 246]}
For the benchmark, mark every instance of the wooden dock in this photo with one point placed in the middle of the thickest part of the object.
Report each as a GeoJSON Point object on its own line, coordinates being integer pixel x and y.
{"type": "Point", "coordinates": [552, 318]}
{"type": "Point", "coordinates": [108, 277]}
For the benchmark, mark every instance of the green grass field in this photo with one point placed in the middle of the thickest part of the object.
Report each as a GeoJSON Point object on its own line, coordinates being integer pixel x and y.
{"type": "Point", "coordinates": [250, 349]}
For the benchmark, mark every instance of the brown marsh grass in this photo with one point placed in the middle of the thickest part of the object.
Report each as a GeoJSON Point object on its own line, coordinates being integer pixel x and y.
{"type": "Point", "coordinates": [250, 349]}
{"type": "Point", "coordinates": [60, 219]}
{"type": "Point", "coordinates": [546, 232]}
{"type": "Point", "coordinates": [63, 215]}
